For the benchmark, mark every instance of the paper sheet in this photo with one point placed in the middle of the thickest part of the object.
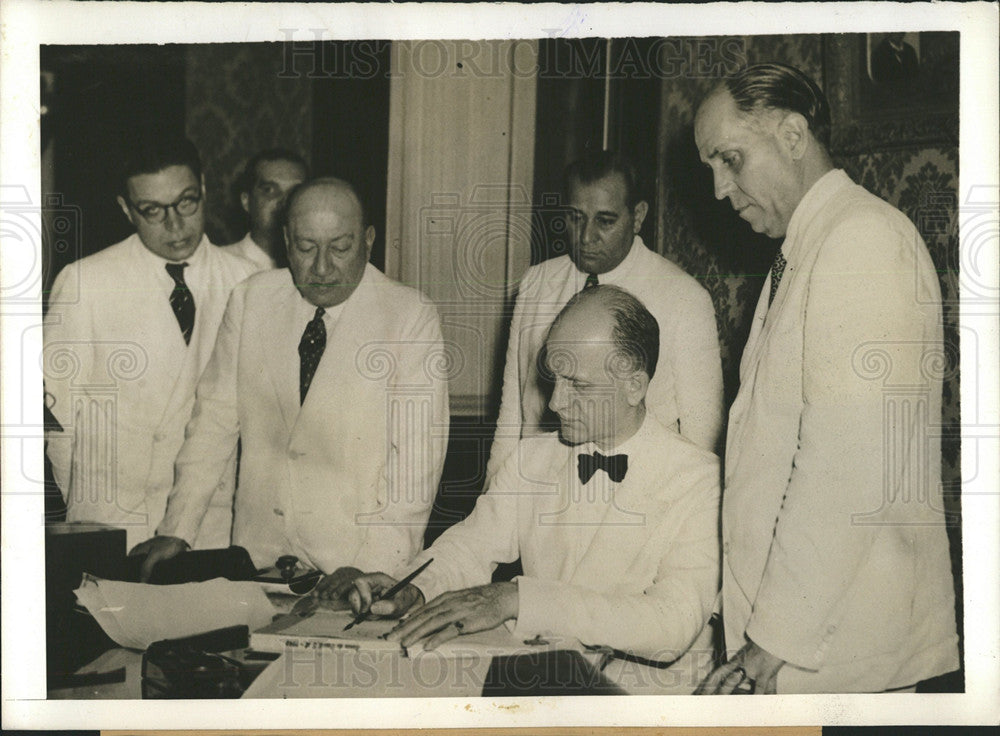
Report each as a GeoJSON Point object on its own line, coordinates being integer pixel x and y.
{"type": "Point", "coordinates": [135, 615]}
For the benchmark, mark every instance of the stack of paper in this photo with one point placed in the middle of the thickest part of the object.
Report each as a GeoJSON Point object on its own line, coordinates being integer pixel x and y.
{"type": "Point", "coordinates": [136, 615]}
{"type": "Point", "coordinates": [324, 629]}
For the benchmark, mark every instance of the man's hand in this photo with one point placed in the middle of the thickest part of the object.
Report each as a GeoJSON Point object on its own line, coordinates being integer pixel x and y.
{"type": "Point", "coordinates": [337, 584]}
{"type": "Point", "coordinates": [753, 667]}
{"type": "Point", "coordinates": [156, 550]}
{"type": "Point", "coordinates": [458, 612]}
{"type": "Point", "coordinates": [368, 586]}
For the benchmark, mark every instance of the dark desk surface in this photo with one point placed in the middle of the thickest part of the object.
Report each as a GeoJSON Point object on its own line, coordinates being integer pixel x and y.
{"type": "Point", "coordinates": [382, 674]}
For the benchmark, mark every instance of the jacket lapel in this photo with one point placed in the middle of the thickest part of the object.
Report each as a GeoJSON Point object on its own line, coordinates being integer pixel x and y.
{"type": "Point", "coordinates": [152, 320]}
{"type": "Point", "coordinates": [283, 332]}
{"type": "Point", "coordinates": [343, 359]}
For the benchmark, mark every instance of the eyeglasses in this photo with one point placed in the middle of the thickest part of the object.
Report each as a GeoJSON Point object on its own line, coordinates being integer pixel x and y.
{"type": "Point", "coordinates": [154, 213]}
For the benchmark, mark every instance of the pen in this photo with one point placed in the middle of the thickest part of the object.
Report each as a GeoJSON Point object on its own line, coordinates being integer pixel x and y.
{"type": "Point", "coordinates": [390, 593]}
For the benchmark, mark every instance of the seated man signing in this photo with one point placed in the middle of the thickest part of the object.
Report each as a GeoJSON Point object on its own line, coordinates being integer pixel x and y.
{"type": "Point", "coordinates": [614, 517]}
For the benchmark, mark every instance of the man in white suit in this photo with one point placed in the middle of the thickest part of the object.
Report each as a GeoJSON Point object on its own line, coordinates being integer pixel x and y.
{"type": "Point", "coordinates": [606, 213]}
{"type": "Point", "coordinates": [614, 517]}
{"type": "Point", "coordinates": [127, 335]}
{"type": "Point", "coordinates": [836, 572]}
{"type": "Point", "coordinates": [330, 375]}
{"type": "Point", "coordinates": [266, 181]}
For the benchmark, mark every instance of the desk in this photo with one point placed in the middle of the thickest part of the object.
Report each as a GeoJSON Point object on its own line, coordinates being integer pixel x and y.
{"type": "Point", "coordinates": [377, 674]}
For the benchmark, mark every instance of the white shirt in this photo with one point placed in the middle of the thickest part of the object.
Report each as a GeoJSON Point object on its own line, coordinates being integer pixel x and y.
{"type": "Point", "coordinates": [248, 248]}
{"type": "Point", "coordinates": [686, 390]}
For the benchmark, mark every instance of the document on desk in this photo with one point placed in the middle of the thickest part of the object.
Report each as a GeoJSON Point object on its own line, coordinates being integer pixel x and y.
{"type": "Point", "coordinates": [324, 629]}
{"type": "Point", "coordinates": [135, 615]}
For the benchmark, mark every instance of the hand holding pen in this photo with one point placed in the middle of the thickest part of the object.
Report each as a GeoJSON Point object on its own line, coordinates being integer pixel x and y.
{"type": "Point", "coordinates": [381, 595]}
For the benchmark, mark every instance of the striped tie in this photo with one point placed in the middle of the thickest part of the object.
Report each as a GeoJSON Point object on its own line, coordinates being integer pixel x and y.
{"type": "Point", "coordinates": [181, 300]}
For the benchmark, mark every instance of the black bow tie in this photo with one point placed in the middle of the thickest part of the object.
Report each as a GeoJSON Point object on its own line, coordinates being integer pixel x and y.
{"type": "Point", "coordinates": [614, 465]}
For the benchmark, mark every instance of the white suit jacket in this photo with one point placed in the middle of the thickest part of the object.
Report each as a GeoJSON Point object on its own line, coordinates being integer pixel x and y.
{"type": "Point", "coordinates": [686, 390]}
{"type": "Point", "coordinates": [835, 552]}
{"type": "Point", "coordinates": [122, 382]}
{"type": "Point", "coordinates": [348, 477]}
{"type": "Point", "coordinates": [632, 565]}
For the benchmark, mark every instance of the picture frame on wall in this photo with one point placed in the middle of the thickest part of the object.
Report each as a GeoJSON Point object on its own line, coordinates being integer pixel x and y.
{"type": "Point", "coordinates": [892, 90]}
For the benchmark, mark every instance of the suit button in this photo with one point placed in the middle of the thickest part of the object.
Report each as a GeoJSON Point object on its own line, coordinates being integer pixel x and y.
{"type": "Point", "coordinates": [292, 454]}
{"type": "Point", "coordinates": [279, 512]}
{"type": "Point", "coordinates": [158, 437]}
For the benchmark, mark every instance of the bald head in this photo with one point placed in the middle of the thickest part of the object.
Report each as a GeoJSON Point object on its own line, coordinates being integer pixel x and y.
{"type": "Point", "coordinates": [601, 352]}
{"type": "Point", "coordinates": [328, 242]}
{"type": "Point", "coordinates": [322, 192]}
{"type": "Point", "coordinates": [608, 313]}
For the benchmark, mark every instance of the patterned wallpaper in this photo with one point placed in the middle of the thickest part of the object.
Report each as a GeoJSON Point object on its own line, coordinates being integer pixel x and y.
{"type": "Point", "coordinates": [708, 239]}
{"type": "Point", "coordinates": [237, 104]}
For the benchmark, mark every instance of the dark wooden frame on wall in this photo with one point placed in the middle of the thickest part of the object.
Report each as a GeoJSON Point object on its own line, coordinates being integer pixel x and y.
{"type": "Point", "coordinates": [868, 116]}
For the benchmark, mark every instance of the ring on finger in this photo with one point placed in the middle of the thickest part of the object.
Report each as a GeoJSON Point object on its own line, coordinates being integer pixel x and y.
{"type": "Point", "coordinates": [747, 685]}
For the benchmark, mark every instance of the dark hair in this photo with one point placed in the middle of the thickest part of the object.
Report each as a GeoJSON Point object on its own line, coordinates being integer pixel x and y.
{"type": "Point", "coordinates": [596, 165]}
{"type": "Point", "coordinates": [154, 153]}
{"type": "Point", "coordinates": [782, 87]}
{"type": "Point", "coordinates": [249, 175]}
{"type": "Point", "coordinates": [636, 333]}
{"type": "Point", "coordinates": [305, 186]}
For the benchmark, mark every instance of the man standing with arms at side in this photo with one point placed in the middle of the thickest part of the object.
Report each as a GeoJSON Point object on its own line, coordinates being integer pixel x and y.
{"type": "Point", "coordinates": [330, 375]}
{"type": "Point", "coordinates": [127, 336]}
{"type": "Point", "coordinates": [836, 572]}
{"type": "Point", "coordinates": [606, 212]}
{"type": "Point", "coordinates": [265, 183]}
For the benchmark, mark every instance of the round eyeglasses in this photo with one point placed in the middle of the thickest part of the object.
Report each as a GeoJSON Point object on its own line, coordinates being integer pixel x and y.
{"type": "Point", "coordinates": [154, 213]}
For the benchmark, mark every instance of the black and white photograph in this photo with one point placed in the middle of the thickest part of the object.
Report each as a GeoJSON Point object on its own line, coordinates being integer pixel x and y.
{"type": "Point", "coordinates": [441, 367]}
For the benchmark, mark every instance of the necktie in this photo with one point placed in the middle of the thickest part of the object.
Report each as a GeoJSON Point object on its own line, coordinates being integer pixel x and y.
{"type": "Point", "coordinates": [777, 269]}
{"type": "Point", "coordinates": [311, 348]}
{"type": "Point", "coordinates": [181, 300]}
{"type": "Point", "coordinates": [591, 280]}
{"type": "Point", "coordinates": [614, 465]}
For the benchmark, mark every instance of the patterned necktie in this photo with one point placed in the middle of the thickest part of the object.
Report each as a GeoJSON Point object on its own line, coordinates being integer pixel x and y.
{"type": "Point", "coordinates": [591, 280]}
{"type": "Point", "coordinates": [777, 269]}
{"type": "Point", "coordinates": [614, 465]}
{"type": "Point", "coordinates": [311, 348]}
{"type": "Point", "coordinates": [181, 300]}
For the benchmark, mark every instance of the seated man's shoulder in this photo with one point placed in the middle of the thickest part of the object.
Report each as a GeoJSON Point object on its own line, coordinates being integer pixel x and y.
{"type": "Point", "coordinates": [536, 456]}
{"type": "Point", "coordinates": [683, 453]}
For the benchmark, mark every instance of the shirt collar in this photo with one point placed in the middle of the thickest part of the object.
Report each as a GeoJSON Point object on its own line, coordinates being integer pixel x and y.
{"type": "Point", "coordinates": [819, 194]}
{"type": "Point", "coordinates": [195, 260]}
{"type": "Point", "coordinates": [627, 447]}
{"type": "Point", "coordinates": [305, 310]}
{"type": "Point", "coordinates": [622, 271]}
